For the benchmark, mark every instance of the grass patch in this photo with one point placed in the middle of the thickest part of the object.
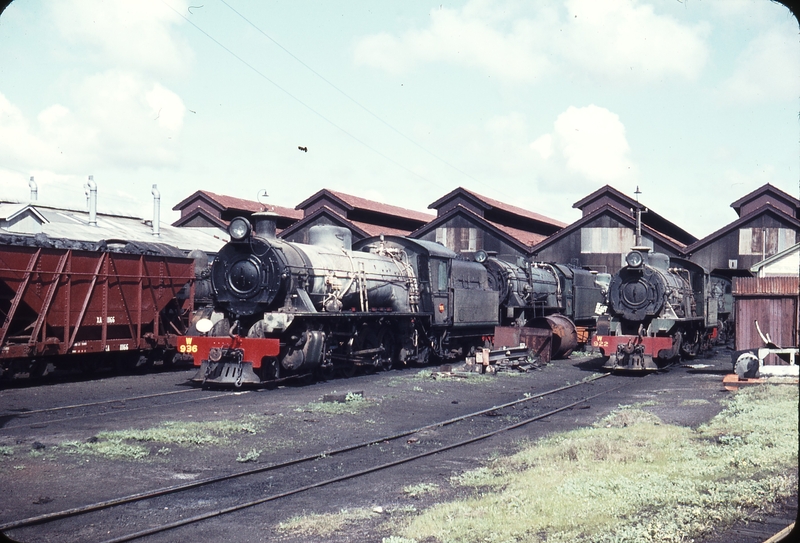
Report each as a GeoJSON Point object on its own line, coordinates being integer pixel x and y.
{"type": "Point", "coordinates": [5, 452]}
{"type": "Point", "coordinates": [352, 404]}
{"type": "Point", "coordinates": [250, 456]}
{"type": "Point", "coordinates": [131, 444]}
{"type": "Point", "coordinates": [632, 477]}
{"type": "Point", "coordinates": [418, 490]}
{"type": "Point", "coordinates": [322, 525]}
{"type": "Point", "coordinates": [695, 402]}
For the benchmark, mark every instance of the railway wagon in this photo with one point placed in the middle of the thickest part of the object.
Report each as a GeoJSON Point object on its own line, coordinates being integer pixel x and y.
{"type": "Point", "coordinates": [119, 304]}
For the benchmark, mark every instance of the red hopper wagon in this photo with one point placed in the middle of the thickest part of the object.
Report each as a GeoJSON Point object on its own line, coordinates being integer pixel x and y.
{"type": "Point", "coordinates": [62, 307]}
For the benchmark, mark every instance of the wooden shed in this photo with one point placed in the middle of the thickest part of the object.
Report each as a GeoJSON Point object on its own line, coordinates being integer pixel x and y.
{"type": "Point", "coordinates": [773, 302]}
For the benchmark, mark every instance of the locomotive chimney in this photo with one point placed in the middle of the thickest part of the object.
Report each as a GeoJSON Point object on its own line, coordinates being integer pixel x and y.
{"type": "Point", "coordinates": [264, 224]}
{"type": "Point", "coordinates": [92, 186]}
{"type": "Point", "coordinates": [34, 190]}
{"type": "Point", "coordinates": [156, 211]}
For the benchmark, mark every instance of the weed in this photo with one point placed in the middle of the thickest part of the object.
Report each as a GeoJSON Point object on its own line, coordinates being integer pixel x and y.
{"type": "Point", "coordinates": [6, 451]}
{"type": "Point", "coordinates": [251, 456]}
{"type": "Point", "coordinates": [353, 403]}
{"type": "Point", "coordinates": [695, 402]}
{"type": "Point", "coordinates": [322, 525]}
{"type": "Point", "coordinates": [127, 444]}
{"type": "Point", "coordinates": [419, 489]}
{"type": "Point", "coordinates": [632, 477]}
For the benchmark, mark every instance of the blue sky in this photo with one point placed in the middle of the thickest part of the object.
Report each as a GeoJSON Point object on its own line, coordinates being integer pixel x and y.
{"type": "Point", "coordinates": [533, 103]}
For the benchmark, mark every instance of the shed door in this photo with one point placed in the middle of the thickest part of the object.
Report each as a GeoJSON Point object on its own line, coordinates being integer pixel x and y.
{"type": "Point", "coordinates": [776, 317]}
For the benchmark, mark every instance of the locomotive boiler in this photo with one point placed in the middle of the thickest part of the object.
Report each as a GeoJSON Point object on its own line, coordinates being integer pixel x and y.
{"type": "Point", "coordinates": [658, 309]}
{"type": "Point", "coordinates": [283, 309]}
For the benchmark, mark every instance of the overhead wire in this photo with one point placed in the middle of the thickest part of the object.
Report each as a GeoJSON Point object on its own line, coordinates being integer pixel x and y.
{"type": "Point", "coordinates": [295, 98]}
{"type": "Point", "coordinates": [343, 93]}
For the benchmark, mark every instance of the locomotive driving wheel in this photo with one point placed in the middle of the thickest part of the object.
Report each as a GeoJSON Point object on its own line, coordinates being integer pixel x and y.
{"type": "Point", "coordinates": [375, 347]}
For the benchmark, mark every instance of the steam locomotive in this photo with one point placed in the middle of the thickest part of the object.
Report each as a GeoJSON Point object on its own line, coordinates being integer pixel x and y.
{"type": "Point", "coordinates": [285, 309]}
{"type": "Point", "coordinates": [660, 309]}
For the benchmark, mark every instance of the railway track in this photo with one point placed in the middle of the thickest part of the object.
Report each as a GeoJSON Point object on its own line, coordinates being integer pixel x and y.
{"type": "Point", "coordinates": [149, 513]}
{"type": "Point", "coordinates": [39, 418]}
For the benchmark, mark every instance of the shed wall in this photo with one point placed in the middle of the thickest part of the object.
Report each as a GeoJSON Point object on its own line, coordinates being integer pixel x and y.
{"type": "Point", "coordinates": [774, 302]}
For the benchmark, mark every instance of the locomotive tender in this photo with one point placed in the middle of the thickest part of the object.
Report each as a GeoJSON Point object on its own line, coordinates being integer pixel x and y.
{"type": "Point", "coordinates": [659, 310]}
{"type": "Point", "coordinates": [285, 309]}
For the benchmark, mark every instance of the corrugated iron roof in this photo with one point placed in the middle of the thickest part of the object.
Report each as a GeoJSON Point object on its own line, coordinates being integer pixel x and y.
{"type": "Point", "coordinates": [72, 224]}
{"type": "Point", "coordinates": [489, 204]}
{"type": "Point", "coordinates": [231, 202]}
{"type": "Point", "coordinates": [766, 286]}
{"type": "Point", "coordinates": [518, 210]}
{"type": "Point", "coordinates": [356, 202]}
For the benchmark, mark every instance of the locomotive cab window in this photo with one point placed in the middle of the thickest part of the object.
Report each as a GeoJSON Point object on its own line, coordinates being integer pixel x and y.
{"type": "Point", "coordinates": [439, 272]}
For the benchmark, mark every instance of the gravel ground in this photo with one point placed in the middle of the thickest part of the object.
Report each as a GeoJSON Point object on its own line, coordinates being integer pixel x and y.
{"type": "Point", "coordinates": [47, 480]}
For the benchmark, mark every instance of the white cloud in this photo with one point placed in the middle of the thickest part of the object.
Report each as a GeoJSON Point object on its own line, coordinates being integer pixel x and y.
{"type": "Point", "coordinates": [588, 142]}
{"type": "Point", "coordinates": [619, 40]}
{"type": "Point", "coordinates": [544, 146]}
{"type": "Point", "coordinates": [113, 118]}
{"type": "Point", "coordinates": [625, 38]}
{"type": "Point", "coordinates": [768, 69]}
{"type": "Point", "coordinates": [481, 36]}
{"type": "Point", "coordinates": [136, 35]}
{"type": "Point", "coordinates": [17, 140]}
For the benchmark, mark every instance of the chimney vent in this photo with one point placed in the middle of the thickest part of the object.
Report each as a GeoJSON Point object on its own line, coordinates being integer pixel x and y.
{"type": "Point", "coordinates": [92, 201]}
{"type": "Point", "coordinates": [156, 211]}
{"type": "Point", "coordinates": [34, 190]}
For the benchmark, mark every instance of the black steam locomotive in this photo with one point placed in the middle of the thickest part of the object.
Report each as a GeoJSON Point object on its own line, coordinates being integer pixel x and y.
{"type": "Point", "coordinates": [285, 309]}
{"type": "Point", "coordinates": [659, 310]}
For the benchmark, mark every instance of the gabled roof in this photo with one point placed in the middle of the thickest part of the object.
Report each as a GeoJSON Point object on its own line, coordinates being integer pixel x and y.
{"type": "Point", "coordinates": [223, 203]}
{"type": "Point", "coordinates": [621, 216]}
{"type": "Point", "coordinates": [499, 210]}
{"type": "Point", "coordinates": [521, 239]}
{"type": "Point", "coordinates": [763, 210]}
{"type": "Point", "coordinates": [199, 211]}
{"type": "Point", "coordinates": [10, 211]}
{"type": "Point", "coordinates": [769, 190]}
{"type": "Point", "coordinates": [650, 218]}
{"type": "Point", "coordinates": [786, 253]}
{"type": "Point", "coordinates": [360, 229]}
{"type": "Point", "coordinates": [350, 203]}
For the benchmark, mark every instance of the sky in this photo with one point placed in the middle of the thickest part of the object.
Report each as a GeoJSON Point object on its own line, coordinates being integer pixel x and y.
{"type": "Point", "coordinates": [536, 104]}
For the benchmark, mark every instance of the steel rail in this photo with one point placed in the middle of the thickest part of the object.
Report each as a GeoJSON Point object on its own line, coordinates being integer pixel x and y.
{"type": "Point", "coordinates": [126, 410]}
{"type": "Point", "coordinates": [58, 515]}
{"type": "Point", "coordinates": [353, 475]}
{"type": "Point", "coordinates": [89, 404]}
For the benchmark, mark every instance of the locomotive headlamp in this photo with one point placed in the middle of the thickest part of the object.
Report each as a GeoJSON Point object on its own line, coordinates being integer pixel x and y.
{"type": "Point", "coordinates": [239, 228]}
{"type": "Point", "coordinates": [634, 259]}
{"type": "Point", "coordinates": [481, 256]}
